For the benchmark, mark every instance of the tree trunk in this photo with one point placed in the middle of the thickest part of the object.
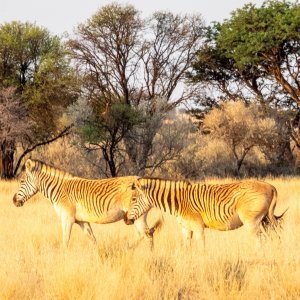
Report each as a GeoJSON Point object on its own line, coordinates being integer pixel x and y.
{"type": "Point", "coordinates": [7, 152]}
{"type": "Point", "coordinates": [110, 160]}
{"type": "Point", "coordinates": [139, 144]}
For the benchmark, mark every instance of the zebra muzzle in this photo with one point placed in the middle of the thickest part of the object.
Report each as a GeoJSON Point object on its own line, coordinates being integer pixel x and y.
{"type": "Point", "coordinates": [126, 220]}
{"type": "Point", "coordinates": [17, 202]}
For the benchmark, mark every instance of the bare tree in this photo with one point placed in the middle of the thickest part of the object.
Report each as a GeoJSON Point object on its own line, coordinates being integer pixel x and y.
{"type": "Point", "coordinates": [166, 57]}
{"type": "Point", "coordinates": [136, 62]}
{"type": "Point", "coordinates": [15, 130]}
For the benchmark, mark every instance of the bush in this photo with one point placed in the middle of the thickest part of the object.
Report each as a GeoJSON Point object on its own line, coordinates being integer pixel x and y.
{"type": "Point", "coordinates": [238, 140]}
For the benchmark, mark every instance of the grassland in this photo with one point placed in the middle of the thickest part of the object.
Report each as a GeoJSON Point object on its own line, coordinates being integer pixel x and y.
{"type": "Point", "coordinates": [34, 265]}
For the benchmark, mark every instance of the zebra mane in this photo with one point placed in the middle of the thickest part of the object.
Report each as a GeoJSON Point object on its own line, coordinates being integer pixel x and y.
{"type": "Point", "coordinates": [49, 169]}
{"type": "Point", "coordinates": [164, 179]}
{"type": "Point", "coordinates": [144, 186]}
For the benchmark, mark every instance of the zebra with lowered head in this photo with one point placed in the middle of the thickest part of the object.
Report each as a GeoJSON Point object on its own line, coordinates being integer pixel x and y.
{"type": "Point", "coordinates": [199, 206]}
{"type": "Point", "coordinates": [79, 200]}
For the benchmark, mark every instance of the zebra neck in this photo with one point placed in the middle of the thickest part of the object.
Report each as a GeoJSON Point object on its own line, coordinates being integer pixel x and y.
{"type": "Point", "coordinates": [201, 195]}
{"type": "Point", "coordinates": [49, 183]}
{"type": "Point", "coordinates": [169, 201]}
{"type": "Point", "coordinates": [170, 198]}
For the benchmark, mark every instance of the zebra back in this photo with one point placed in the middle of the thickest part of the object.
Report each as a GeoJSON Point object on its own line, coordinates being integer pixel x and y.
{"type": "Point", "coordinates": [168, 195]}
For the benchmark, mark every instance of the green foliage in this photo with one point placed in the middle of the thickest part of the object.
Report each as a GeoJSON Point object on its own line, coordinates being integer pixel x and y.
{"type": "Point", "coordinates": [22, 47]}
{"type": "Point", "coordinates": [112, 17]}
{"type": "Point", "coordinates": [253, 35]}
{"type": "Point", "coordinates": [254, 55]}
{"type": "Point", "coordinates": [209, 55]}
{"type": "Point", "coordinates": [104, 128]}
{"type": "Point", "coordinates": [110, 125]}
{"type": "Point", "coordinates": [35, 63]}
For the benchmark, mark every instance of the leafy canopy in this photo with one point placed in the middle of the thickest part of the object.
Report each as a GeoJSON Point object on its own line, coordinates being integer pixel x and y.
{"type": "Point", "coordinates": [254, 35]}
{"type": "Point", "coordinates": [35, 63]}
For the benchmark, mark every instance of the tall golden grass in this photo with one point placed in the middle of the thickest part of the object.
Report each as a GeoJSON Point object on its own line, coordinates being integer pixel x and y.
{"type": "Point", "coordinates": [34, 265]}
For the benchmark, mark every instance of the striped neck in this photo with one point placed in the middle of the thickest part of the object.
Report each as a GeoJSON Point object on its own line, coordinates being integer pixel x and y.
{"type": "Point", "coordinates": [168, 195]}
{"type": "Point", "coordinates": [49, 180]}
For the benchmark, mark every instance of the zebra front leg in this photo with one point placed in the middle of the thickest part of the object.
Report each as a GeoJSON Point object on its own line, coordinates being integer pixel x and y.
{"type": "Point", "coordinates": [67, 224]}
{"type": "Point", "coordinates": [66, 216]}
{"type": "Point", "coordinates": [144, 231]}
{"type": "Point", "coordinates": [87, 230]}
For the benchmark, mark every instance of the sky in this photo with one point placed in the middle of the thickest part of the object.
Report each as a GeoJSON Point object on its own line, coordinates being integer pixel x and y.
{"type": "Point", "coordinates": [63, 16]}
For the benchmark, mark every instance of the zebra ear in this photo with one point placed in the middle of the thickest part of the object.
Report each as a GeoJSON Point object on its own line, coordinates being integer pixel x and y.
{"type": "Point", "coordinates": [29, 165]}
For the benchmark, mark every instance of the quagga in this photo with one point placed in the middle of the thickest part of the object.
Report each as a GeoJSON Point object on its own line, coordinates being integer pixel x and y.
{"type": "Point", "coordinates": [78, 200]}
{"type": "Point", "coordinates": [200, 206]}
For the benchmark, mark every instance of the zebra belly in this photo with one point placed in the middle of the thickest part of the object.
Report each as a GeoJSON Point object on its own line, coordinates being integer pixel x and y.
{"type": "Point", "coordinates": [113, 215]}
{"type": "Point", "coordinates": [233, 222]}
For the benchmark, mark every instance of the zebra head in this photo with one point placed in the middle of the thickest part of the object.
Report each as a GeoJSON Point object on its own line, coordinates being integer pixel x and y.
{"type": "Point", "coordinates": [140, 203]}
{"type": "Point", "coordinates": [28, 187]}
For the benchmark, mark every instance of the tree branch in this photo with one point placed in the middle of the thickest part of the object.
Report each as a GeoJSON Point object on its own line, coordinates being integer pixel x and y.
{"type": "Point", "coordinates": [63, 133]}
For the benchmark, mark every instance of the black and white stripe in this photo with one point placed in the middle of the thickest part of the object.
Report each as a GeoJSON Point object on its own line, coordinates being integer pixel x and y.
{"type": "Point", "coordinates": [199, 206]}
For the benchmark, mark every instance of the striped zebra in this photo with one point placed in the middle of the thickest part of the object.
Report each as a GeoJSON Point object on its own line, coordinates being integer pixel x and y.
{"type": "Point", "coordinates": [199, 206]}
{"type": "Point", "coordinates": [78, 200]}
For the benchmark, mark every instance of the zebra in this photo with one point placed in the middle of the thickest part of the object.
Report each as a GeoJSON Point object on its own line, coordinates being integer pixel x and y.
{"type": "Point", "coordinates": [79, 200]}
{"type": "Point", "coordinates": [198, 206]}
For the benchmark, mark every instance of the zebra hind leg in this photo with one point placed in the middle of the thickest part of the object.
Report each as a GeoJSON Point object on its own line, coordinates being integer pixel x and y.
{"type": "Point", "coordinates": [255, 233]}
{"type": "Point", "coordinates": [87, 230]}
{"type": "Point", "coordinates": [187, 237]}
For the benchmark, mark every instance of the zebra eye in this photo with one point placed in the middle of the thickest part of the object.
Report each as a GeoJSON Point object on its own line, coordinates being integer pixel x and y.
{"type": "Point", "coordinates": [133, 200]}
{"type": "Point", "coordinates": [22, 179]}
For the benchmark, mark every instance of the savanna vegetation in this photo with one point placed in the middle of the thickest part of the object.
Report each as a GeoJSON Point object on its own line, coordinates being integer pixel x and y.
{"type": "Point", "coordinates": [164, 95]}
{"type": "Point", "coordinates": [34, 265]}
{"type": "Point", "coordinates": [167, 96]}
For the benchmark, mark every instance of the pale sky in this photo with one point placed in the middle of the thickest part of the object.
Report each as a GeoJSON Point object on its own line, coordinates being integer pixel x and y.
{"type": "Point", "coordinates": [60, 16]}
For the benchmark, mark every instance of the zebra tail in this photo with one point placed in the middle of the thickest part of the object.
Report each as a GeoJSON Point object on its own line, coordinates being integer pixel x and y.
{"type": "Point", "coordinates": [270, 220]}
{"type": "Point", "coordinates": [271, 216]}
{"type": "Point", "coordinates": [279, 218]}
{"type": "Point", "coordinates": [267, 224]}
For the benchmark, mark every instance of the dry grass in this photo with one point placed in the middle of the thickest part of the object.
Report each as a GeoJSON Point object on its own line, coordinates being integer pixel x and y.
{"type": "Point", "coordinates": [35, 266]}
